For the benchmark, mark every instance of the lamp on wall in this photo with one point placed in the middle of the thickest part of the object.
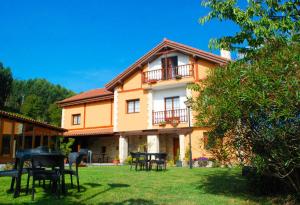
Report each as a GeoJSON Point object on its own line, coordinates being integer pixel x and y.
{"type": "Point", "coordinates": [188, 104]}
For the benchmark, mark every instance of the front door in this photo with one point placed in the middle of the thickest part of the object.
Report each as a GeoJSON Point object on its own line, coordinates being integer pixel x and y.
{"type": "Point", "coordinates": [175, 148]}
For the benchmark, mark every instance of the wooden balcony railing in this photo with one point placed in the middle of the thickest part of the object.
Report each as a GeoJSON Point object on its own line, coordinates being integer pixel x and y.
{"type": "Point", "coordinates": [168, 116]}
{"type": "Point", "coordinates": [168, 73]}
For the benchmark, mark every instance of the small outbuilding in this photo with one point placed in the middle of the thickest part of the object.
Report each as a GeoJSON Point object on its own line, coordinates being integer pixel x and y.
{"type": "Point", "coordinates": [20, 132]}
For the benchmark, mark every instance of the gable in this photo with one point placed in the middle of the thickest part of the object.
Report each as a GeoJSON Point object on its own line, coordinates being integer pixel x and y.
{"type": "Point", "coordinates": [166, 46]}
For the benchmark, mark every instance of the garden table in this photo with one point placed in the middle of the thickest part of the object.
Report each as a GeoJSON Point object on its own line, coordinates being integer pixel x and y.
{"type": "Point", "coordinates": [149, 157]}
{"type": "Point", "coordinates": [26, 155]}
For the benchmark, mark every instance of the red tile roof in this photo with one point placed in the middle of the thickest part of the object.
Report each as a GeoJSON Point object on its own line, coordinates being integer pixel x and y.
{"type": "Point", "coordinates": [165, 44]}
{"type": "Point", "coordinates": [89, 132]}
{"type": "Point", "coordinates": [88, 96]}
{"type": "Point", "coordinates": [21, 118]}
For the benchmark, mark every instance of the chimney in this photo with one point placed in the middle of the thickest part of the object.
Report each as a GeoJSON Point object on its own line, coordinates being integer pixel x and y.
{"type": "Point", "coordinates": [226, 54]}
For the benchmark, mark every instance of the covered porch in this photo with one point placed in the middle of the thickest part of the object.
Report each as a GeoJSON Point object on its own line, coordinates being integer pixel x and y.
{"type": "Point", "coordinates": [102, 143]}
{"type": "Point", "coordinates": [170, 141]}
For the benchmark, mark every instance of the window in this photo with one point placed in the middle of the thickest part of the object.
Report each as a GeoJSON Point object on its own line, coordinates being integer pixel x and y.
{"type": "Point", "coordinates": [76, 119]}
{"type": "Point", "coordinates": [133, 106]}
{"type": "Point", "coordinates": [172, 103]}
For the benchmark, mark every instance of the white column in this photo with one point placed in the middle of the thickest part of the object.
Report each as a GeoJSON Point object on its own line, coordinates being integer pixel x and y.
{"type": "Point", "coordinates": [123, 148]}
{"type": "Point", "coordinates": [115, 110]}
{"type": "Point", "coordinates": [181, 147]}
{"type": "Point", "coordinates": [153, 143]}
{"type": "Point", "coordinates": [150, 108]}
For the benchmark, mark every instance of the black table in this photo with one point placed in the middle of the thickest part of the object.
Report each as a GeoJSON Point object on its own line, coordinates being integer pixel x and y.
{"type": "Point", "coordinates": [26, 155]}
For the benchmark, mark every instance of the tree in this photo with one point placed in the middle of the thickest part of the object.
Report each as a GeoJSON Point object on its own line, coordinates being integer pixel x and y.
{"type": "Point", "coordinates": [48, 94]}
{"type": "Point", "coordinates": [259, 22]}
{"type": "Point", "coordinates": [257, 99]}
{"type": "Point", "coordinates": [5, 84]}
{"type": "Point", "coordinates": [32, 107]}
{"type": "Point", "coordinates": [54, 114]}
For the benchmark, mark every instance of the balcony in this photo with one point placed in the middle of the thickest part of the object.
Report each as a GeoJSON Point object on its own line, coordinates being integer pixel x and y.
{"type": "Point", "coordinates": [177, 72]}
{"type": "Point", "coordinates": [169, 116]}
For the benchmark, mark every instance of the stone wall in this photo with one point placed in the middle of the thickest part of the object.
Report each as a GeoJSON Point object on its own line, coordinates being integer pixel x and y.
{"type": "Point", "coordinates": [111, 143]}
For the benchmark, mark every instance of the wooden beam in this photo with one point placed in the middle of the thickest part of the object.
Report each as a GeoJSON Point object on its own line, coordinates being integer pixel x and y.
{"type": "Point", "coordinates": [165, 52]}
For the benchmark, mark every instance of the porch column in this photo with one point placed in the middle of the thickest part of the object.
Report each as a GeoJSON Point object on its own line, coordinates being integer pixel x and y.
{"type": "Point", "coordinates": [153, 143]}
{"type": "Point", "coordinates": [123, 149]}
{"type": "Point", "coordinates": [181, 147]}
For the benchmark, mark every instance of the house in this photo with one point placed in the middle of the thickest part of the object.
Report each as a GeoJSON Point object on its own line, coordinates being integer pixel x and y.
{"type": "Point", "coordinates": [19, 132]}
{"type": "Point", "coordinates": [143, 107]}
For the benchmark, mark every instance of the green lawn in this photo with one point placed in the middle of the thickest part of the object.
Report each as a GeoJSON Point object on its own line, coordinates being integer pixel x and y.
{"type": "Point", "coordinates": [119, 185]}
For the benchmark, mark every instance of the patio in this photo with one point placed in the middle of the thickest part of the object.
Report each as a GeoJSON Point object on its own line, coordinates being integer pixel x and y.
{"type": "Point", "coordinates": [119, 185]}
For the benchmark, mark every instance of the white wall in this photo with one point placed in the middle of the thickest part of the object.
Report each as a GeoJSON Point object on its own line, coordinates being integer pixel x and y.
{"type": "Point", "coordinates": [160, 95]}
{"type": "Point", "coordinates": [182, 60]}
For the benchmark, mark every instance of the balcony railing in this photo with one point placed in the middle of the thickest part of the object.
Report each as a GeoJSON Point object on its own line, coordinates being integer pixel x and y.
{"type": "Point", "coordinates": [169, 116]}
{"type": "Point", "coordinates": [168, 73]}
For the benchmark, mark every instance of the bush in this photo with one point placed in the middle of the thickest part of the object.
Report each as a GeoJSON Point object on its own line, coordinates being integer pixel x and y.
{"type": "Point", "coordinates": [128, 160]}
{"type": "Point", "coordinates": [264, 183]}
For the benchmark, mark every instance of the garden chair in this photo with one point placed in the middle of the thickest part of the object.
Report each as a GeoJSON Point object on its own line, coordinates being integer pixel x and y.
{"type": "Point", "coordinates": [160, 161]}
{"type": "Point", "coordinates": [74, 158]}
{"type": "Point", "coordinates": [13, 173]}
{"type": "Point", "coordinates": [134, 160]}
{"type": "Point", "coordinates": [40, 164]}
{"type": "Point", "coordinates": [142, 160]}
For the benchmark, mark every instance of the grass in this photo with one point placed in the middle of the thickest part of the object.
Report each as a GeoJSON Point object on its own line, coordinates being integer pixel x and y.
{"type": "Point", "coordinates": [119, 185]}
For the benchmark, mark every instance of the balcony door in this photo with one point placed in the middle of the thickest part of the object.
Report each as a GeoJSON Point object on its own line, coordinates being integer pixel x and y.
{"type": "Point", "coordinates": [171, 105]}
{"type": "Point", "coordinates": [169, 65]}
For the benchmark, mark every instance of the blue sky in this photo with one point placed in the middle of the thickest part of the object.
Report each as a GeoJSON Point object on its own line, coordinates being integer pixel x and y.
{"type": "Point", "coordinates": [83, 44]}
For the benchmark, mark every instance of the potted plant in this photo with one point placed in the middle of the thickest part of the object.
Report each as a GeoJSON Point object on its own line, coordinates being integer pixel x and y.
{"type": "Point", "coordinates": [175, 122]}
{"type": "Point", "coordinates": [116, 160]}
{"type": "Point", "coordinates": [66, 146]}
{"type": "Point", "coordinates": [162, 123]}
{"type": "Point", "coordinates": [178, 77]}
{"type": "Point", "coordinates": [187, 157]}
{"type": "Point", "coordinates": [142, 147]}
{"type": "Point", "coordinates": [152, 81]}
{"type": "Point", "coordinates": [178, 162]}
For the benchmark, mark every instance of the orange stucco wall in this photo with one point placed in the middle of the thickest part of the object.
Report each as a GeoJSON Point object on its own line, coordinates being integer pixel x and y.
{"type": "Point", "coordinates": [67, 118]}
{"type": "Point", "coordinates": [97, 114]}
{"type": "Point", "coordinates": [197, 137]}
{"type": "Point", "coordinates": [133, 82]}
{"type": "Point", "coordinates": [203, 68]}
{"type": "Point", "coordinates": [132, 121]}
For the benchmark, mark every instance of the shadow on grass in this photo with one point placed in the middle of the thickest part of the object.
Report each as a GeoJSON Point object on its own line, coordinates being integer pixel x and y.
{"type": "Point", "coordinates": [230, 184]}
{"type": "Point", "coordinates": [111, 187]}
{"type": "Point", "coordinates": [92, 185]}
{"type": "Point", "coordinates": [130, 202]}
